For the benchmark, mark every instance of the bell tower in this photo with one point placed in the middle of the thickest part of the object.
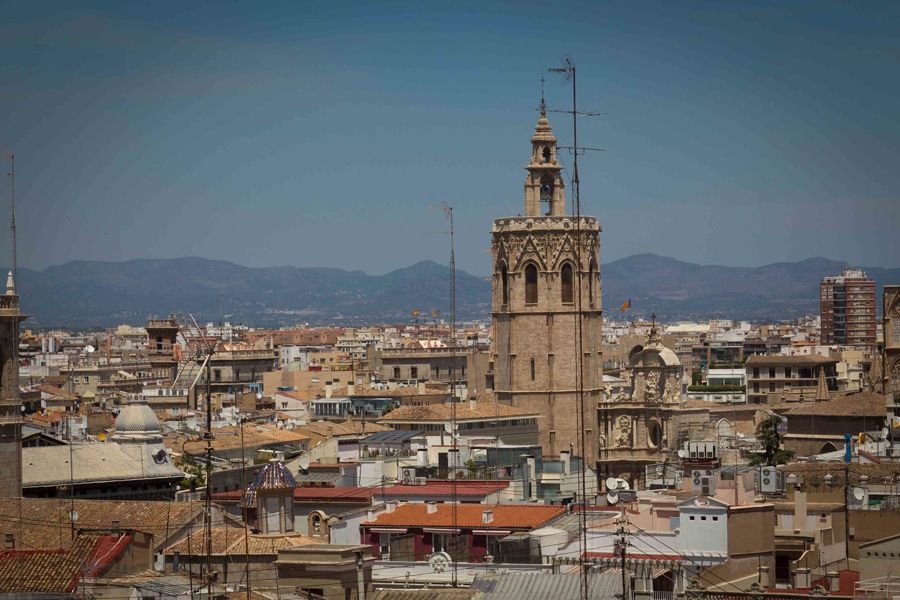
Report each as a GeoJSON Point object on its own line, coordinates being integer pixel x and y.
{"type": "Point", "coordinates": [10, 405]}
{"type": "Point", "coordinates": [546, 278]}
{"type": "Point", "coordinates": [545, 192]}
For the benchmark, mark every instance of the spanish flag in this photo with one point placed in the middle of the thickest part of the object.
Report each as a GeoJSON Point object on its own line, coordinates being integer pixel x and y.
{"type": "Point", "coordinates": [625, 305]}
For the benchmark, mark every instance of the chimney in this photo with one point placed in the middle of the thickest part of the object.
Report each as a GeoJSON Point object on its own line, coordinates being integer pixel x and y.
{"type": "Point", "coordinates": [530, 477]}
{"type": "Point", "coordinates": [764, 576]}
{"type": "Point", "coordinates": [487, 517]}
{"type": "Point", "coordinates": [800, 514]}
{"type": "Point", "coordinates": [328, 389]}
{"type": "Point", "coordinates": [565, 459]}
{"type": "Point", "coordinates": [370, 515]}
{"type": "Point", "coordinates": [801, 578]}
{"type": "Point", "coordinates": [176, 560]}
{"type": "Point", "coordinates": [834, 581]}
{"type": "Point", "coordinates": [473, 403]}
{"type": "Point", "coordinates": [9, 541]}
{"type": "Point", "coordinates": [422, 457]}
{"type": "Point", "coordinates": [390, 506]}
{"type": "Point", "coordinates": [431, 507]}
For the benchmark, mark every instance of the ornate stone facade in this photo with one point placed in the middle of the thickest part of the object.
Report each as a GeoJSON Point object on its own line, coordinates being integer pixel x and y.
{"type": "Point", "coordinates": [545, 274]}
{"type": "Point", "coordinates": [640, 427]}
{"type": "Point", "coordinates": [10, 406]}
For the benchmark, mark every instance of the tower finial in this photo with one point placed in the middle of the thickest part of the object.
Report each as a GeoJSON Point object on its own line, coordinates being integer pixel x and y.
{"type": "Point", "coordinates": [10, 285]}
{"type": "Point", "coordinates": [543, 104]}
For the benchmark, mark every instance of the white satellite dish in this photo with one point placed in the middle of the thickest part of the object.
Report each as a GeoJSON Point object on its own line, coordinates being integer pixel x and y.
{"type": "Point", "coordinates": [89, 349]}
{"type": "Point", "coordinates": [623, 485]}
{"type": "Point", "coordinates": [280, 425]}
{"type": "Point", "coordinates": [612, 499]}
{"type": "Point", "coordinates": [259, 395]}
{"type": "Point", "coordinates": [682, 454]}
{"type": "Point", "coordinates": [612, 483]}
{"type": "Point", "coordinates": [859, 494]}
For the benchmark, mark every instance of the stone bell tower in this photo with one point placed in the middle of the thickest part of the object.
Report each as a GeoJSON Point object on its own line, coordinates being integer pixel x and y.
{"type": "Point", "coordinates": [545, 278]}
{"type": "Point", "coordinates": [10, 405]}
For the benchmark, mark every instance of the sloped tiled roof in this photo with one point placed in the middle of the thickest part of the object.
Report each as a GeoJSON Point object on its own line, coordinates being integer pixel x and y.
{"type": "Point", "coordinates": [464, 412]}
{"type": "Point", "coordinates": [274, 476]}
{"type": "Point", "coordinates": [761, 360]}
{"type": "Point", "coordinates": [864, 404]}
{"type": "Point", "coordinates": [229, 539]}
{"type": "Point", "coordinates": [44, 523]}
{"type": "Point", "coordinates": [445, 489]}
{"type": "Point", "coordinates": [469, 516]}
{"type": "Point", "coordinates": [54, 571]}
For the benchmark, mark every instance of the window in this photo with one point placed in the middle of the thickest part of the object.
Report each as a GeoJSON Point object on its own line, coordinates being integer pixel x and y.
{"type": "Point", "coordinates": [531, 290]}
{"type": "Point", "coordinates": [396, 372]}
{"type": "Point", "coordinates": [593, 275]}
{"type": "Point", "coordinates": [532, 369]}
{"type": "Point", "coordinates": [414, 372]}
{"type": "Point", "coordinates": [654, 433]}
{"type": "Point", "coordinates": [771, 372]}
{"type": "Point", "coordinates": [566, 281]}
{"type": "Point", "coordinates": [756, 372]}
{"type": "Point", "coordinates": [787, 372]}
{"type": "Point", "coordinates": [504, 284]}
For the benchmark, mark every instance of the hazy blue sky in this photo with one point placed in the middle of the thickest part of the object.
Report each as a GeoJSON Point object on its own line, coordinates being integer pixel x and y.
{"type": "Point", "coordinates": [319, 133]}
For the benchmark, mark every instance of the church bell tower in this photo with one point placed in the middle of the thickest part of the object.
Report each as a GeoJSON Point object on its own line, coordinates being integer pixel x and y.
{"type": "Point", "coordinates": [10, 405]}
{"type": "Point", "coordinates": [545, 279]}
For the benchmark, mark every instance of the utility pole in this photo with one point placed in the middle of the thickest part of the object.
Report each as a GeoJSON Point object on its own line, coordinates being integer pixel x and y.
{"type": "Point", "coordinates": [621, 545]}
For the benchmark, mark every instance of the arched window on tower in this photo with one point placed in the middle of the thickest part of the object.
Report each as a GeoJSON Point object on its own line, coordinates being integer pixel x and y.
{"type": "Point", "coordinates": [547, 192]}
{"type": "Point", "coordinates": [592, 276]}
{"type": "Point", "coordinates": [545, 155]}
{"type": "Point", "coordinates": [504, 284]}
{"type": "Point", "coordinates": [568, 295]}
{"type": "Point", "coordinates": [531, 287]}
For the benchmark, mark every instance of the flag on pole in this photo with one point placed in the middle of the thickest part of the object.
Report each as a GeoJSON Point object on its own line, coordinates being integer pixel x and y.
{"type": "Point", "coordinates": [625, 305]}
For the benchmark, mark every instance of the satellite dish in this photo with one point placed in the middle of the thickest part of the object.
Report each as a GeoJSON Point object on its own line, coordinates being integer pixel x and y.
{"type": "Point", "coordinates": [623, 485]}
{"type": "Point", "coordinates": [682, 454]}
{"type": "Point", "coordinates": [259, 395]}
{"type": "Point", "coordinates": [612, 499]}
{"type": "Point", "coordinates": [89, 349]}
{"type": "Point", "coordinates": [660, 470]}
{"type": "Point", "coordinates": [859, 494]}
{"type": "Point", "coordinates": [280, 425]}
{"type": "Point", "coordinates": [160, 457]}
{"type": "Point", "coordinates": [612, 483]}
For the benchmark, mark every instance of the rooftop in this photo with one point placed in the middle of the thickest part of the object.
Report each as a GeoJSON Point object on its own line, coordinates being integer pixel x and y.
{"type": "Point", "coordinates": [229, 539]}
{"type": "Point", "coordinates": [863, 404]}
{"type": "Point", "coordinates": [464, 412]}
{"type": "Point", "coordinates": [445, 489]}
{"type": "Point", "coordinates": [468, 516]}
{"type": "Point", "coordinates": [775, 360]}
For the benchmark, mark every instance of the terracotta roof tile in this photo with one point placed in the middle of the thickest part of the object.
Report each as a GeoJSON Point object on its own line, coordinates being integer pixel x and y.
{"type": "Point", "coordinates": [469, 516]}
{"type": "Point", "coordinates": [229, 539]}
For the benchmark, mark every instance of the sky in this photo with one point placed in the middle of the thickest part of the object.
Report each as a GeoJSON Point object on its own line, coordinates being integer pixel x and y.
{"type": "Point", "coordinates": [329, 133]}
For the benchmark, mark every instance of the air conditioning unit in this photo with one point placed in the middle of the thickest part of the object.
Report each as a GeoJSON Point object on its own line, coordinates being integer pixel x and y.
{"type": "Point", "coordinates": [708, 485]}
{"type": "Point", "coordinates": [408, 475]}
{"type": "Point", "coordinates": [697, 476]}
{"type": "Point", "coordinates": [768, 480]}
{"type": "Point", "coordinates": [420, 481]}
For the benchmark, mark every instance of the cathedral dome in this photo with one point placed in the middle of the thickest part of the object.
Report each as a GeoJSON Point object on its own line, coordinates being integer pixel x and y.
{"type": "Point", "coordinates": [136, 422]}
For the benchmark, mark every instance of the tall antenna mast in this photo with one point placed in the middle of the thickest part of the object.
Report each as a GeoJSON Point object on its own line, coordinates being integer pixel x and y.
{"type": "Point", "coordinates": [12, 217]}
{"type": "Point", "coordinates": [448, 210]}
{"type": "Point", "coordinates": [568, 69]}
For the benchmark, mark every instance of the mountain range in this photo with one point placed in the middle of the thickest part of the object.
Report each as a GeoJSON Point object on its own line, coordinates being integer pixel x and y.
{"type": "Point", "coordinates": [89, 294]}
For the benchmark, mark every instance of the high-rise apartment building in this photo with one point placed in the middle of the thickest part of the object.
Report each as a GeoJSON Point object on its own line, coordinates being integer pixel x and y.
{"type": "Point", "coordinates": [847, 305]}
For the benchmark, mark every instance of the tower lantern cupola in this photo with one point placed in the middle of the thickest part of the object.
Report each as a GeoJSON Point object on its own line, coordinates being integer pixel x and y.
{"type": "Point", "coordinates": [545, 192]}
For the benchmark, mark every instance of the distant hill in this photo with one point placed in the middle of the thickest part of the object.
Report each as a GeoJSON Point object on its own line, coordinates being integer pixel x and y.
{"type": "Point", "coordinates": [680, 290]}
{"type": "Point", "coordinates": [97, 294]}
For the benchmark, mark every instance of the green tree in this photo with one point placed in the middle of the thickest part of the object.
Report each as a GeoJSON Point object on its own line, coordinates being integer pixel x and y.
{"type": "Point", "coordinates": [767, 435]}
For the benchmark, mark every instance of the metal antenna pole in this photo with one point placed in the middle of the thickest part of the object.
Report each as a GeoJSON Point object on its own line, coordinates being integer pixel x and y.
{"type": "Point", "coordinates": [453, 433]}
{"type": "Point", "coordinates": [12, 217]}
{"type": "Point", "coordinates": [568, 69]}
